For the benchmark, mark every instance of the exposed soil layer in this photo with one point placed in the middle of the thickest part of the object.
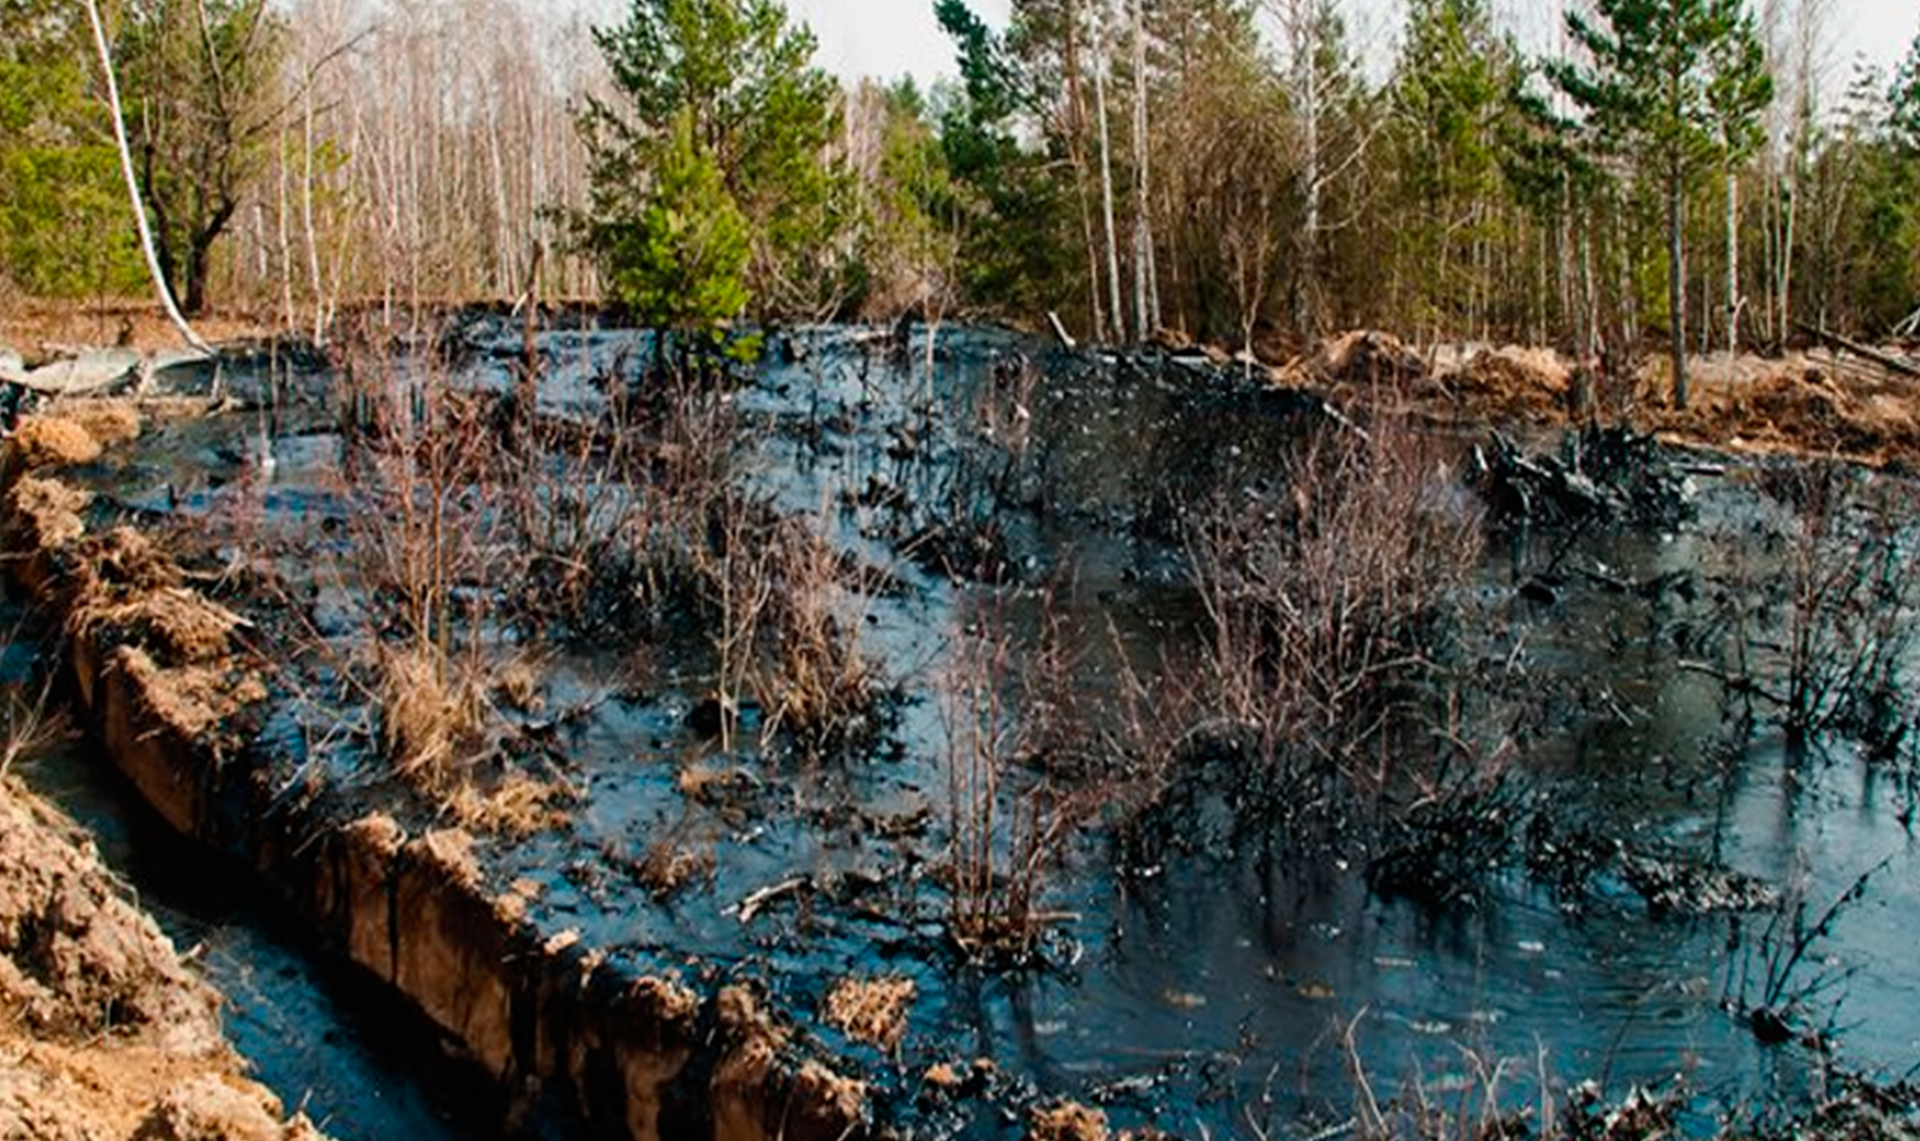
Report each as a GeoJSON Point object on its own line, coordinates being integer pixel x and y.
{"type": "Point", "coordinates": [105, 1035]}
{"type": "Point", "coordinates": [1811, 403]}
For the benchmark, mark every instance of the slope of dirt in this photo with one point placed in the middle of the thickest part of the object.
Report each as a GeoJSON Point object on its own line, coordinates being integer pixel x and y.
{"type": "Point", "coordinates": [104, 1033]}
{"type": "Point", "coordinates": [1810, 404]}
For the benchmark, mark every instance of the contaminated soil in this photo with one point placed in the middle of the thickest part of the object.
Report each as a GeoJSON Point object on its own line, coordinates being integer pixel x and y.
{"type": "Point", "coordinates": [616, 829]}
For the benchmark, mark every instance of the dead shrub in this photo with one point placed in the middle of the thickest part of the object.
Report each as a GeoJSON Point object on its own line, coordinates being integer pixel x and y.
{"type": "Point", "coordinates": [1323, 599]}
{"type": "Point", "coordinates": [1828, 644]}
{"type": "Point", "coordinates": [1007, 825]}
{"type": "Point", "coordinates": [818, 686]}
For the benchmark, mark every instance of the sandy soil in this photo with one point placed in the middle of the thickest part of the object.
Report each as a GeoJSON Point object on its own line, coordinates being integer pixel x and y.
{"type": "Point", "coordinates": [104, 1033]}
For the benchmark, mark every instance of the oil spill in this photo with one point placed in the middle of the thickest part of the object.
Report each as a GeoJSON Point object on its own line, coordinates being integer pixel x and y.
{"type": "Point", "coordinates": [991, 481]}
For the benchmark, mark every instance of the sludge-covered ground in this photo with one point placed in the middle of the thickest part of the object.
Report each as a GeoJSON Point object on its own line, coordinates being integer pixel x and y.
{"type": "Point", "coordinates": [1561, 854]}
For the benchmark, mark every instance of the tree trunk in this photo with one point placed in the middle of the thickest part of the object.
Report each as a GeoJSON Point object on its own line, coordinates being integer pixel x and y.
{"type": "Point", "coordinates": [200, 258]}
{"type": "Point", "coordinates": [1307, 90]}
{"type": "Point", "coordinates": [1676, 281]}
{"type": "Point", "coordinates": [1106, 190]}
{"type": "Point", "coordinates": [133, 184]}
{"type": "Point", "coordinates": [1146, 317]}
{"type": "Point", "coordinates": [1733, 261]}
{"type": "Point", "coordinates": [1082, 180]}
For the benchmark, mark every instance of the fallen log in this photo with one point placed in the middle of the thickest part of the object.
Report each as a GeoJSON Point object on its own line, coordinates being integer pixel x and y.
{"type": "Point", "coordinates": [1060, 333]}
{"type": "Point", "coordinates": [1885, 360]}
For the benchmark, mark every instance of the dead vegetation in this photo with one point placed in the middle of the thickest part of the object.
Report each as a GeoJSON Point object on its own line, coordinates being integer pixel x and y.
{"type": "Point", "coordinates": [875, 1011]}
{"type": "Point", "coordinates": [1812, 403]}
{"type": "Point", "coordinates": [1326, 599]}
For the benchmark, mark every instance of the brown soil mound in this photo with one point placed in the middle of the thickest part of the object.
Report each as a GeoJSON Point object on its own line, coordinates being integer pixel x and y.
{"type": "Point", "coordinates": [103, 1033]}
{"type": "Point", "coordinates": [1807, 410]}
{"type": "Point", "coordinates": [1512, 384]}
{"type": "Point", "coordinates": [1363, 359]}
{"type": "Point", "coordinates": [40, 327]}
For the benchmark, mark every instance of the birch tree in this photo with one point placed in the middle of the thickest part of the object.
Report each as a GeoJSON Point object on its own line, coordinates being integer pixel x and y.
{"type": "Point", "coordinates": [160, 285]}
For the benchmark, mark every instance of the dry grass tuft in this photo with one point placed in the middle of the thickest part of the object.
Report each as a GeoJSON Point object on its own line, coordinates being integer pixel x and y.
{"type": "Point", "coordinates": [44, 515]}
{"type": "Point", "coordinates": [43, 441]}
{"type": "Point", "coordinates": [874, 1011]}
{"type": "Point", "coordinates": [517, 684]}
{"type": "Point", "coordinates": [669, 866]}
{"type": "Point", "coordinates": [518, 807]}
{"type": "Point", "coordinates": [428, 718]}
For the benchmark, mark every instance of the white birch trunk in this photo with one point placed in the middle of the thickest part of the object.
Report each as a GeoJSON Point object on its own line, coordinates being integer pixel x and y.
{"type": "Point", "coordinates": [133, 185]}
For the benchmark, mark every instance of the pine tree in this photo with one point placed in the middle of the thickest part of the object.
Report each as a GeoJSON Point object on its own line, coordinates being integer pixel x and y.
{"type": "Point", "coordinates": [727, 88]}
{"type": "Point", "coordinates": [1903, 111]}
{"type": "Point", "coordinates": [63, 215]}
{"type": "Point", "coordinates": [1672, 83]}
{"type": "Point", "coordinates": [1451, 94]}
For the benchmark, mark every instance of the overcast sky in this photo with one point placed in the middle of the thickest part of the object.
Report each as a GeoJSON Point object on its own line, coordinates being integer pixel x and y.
{"type": "Point", "coordinates": [886, 38]}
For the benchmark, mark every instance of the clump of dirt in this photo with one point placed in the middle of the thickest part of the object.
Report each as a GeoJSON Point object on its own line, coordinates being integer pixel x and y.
{"type": "Point", "coordinates": [816, 1101]}
{"type": "Point", "coordinates": [1516, 384]}
{"type": "Point", "coordinates": [103, 1032]}
{"type": "Point", "coordinates": [109, 422]}
{"type": "Point", "coordinates": [1805, 404]}
{"type": "Point", "coordinates": [1068, 1121]}
{"type": "Point", "coordinates": [1365, 359]}
{"type": "Point", "coordinates": [194, 700]}
{"type": "Point", "coordinates": [871, 1010]}
{"type": "Point", "coordinates": [129, 558]}
{"type": "Point", "coordinates": [78, 961]}
{"type": "Point", "coordinates": [1802, 408]}
{"type": "Point", "coordinates": [179, 627]}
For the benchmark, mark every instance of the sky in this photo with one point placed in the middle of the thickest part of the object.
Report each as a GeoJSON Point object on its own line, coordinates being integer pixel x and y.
{"type": "Point", "coordinates": [885, 38]}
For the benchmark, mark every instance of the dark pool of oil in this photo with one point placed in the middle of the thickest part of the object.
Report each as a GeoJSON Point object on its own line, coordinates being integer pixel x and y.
{"type": "Point", "coordinates": [1210, 993]}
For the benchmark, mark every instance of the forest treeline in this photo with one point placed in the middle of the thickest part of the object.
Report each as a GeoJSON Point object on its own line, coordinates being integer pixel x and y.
{"type": "Point", "coordinates": [1685, 171]}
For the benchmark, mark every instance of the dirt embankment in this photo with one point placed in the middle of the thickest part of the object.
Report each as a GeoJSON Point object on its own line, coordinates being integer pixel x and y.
{"type": "Point", "coordinates": [104, 1032]}
{"type": "Point", "coordinates": [1813, 403]}
{"type": "Point", "coordinates": [42, 330]}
